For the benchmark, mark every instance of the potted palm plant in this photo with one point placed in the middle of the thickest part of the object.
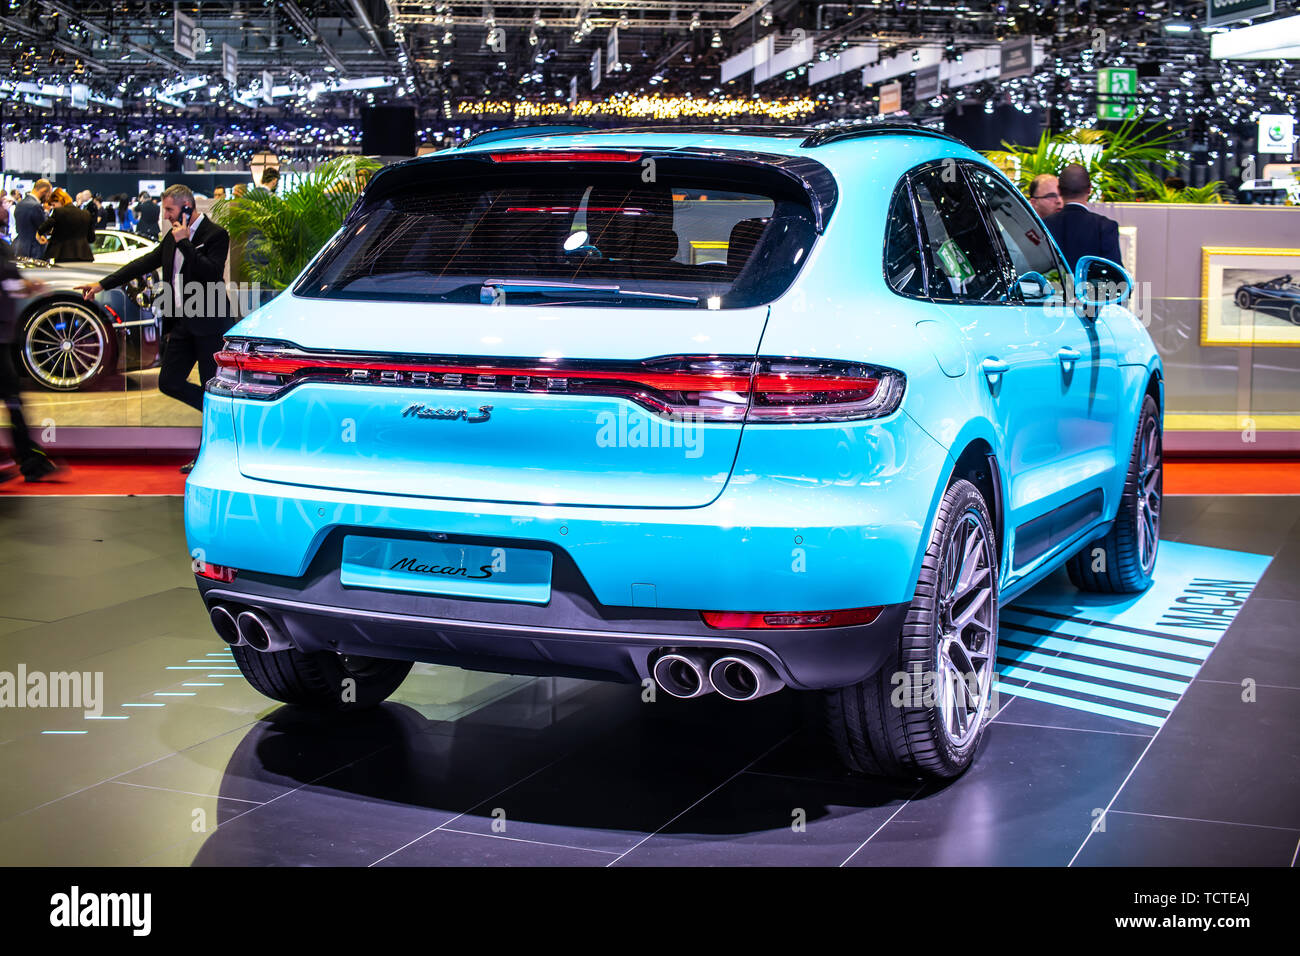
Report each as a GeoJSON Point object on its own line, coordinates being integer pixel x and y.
{"type": "Point", "coordinates": [274, 235]}
{"type": "Point", "coordinates": [1116, 159]}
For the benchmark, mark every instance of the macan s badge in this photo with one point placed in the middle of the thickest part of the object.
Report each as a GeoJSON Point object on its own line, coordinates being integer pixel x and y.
{"type": "Point", "coordinates": [417, 410]}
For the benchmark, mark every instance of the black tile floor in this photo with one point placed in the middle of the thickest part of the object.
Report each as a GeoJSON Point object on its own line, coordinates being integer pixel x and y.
{"type": "Point", "coordinates": [467, 768]}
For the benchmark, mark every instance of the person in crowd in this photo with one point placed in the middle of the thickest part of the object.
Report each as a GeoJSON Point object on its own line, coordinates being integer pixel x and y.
{"type": "Point", "coordinates": [107, 213]}
{"type": "Point", "coordinates": [125, 216]}
{"type": "Point", "coordinates": [239, 190]}
{"type": "Point", "coordinates": [30, 460]}
{"type": "Point", "coordinates": [270, 178]}
{"type": "Point", "coordinates": [29, 216]}
{"type": "Point", "coordinates": [146, 214]}
{"type": "Point", "coordinates": [1175, 183]}
{"type": "Point", "coordinates": [218, 193]}
{"type": "Point", "coordinates": [69, 232]}
{"type": "Point", "coordinates": [1077, 229]}
{"type": "Point", "coordinates": [1045, 195]}
{"type": "Point", "coordinates": [194, 250]}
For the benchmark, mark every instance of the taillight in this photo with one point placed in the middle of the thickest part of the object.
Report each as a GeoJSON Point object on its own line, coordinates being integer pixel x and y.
{"type": "Point", "coordinates": [740, 620]}
{"type": "Point", "coordinates": [215, 572]}
{"type": "Point", "coordinates": [566, 156]}
{"type": "Point", "coordinates": [705, 388]}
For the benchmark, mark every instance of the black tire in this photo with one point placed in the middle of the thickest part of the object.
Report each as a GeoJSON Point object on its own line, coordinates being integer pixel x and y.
{"type": "Point", "coordinates": [874, 728]}
{"type": "Point", "coordinates": [1117, 563]}
{"type": "Point", "coordinates": [316, 680]}
{"type": "Point", "coordinates": [1295, 314]}
{"type": "Point", "coordinates": [92, 347]}
{"type": "Point", "coordinates": [1244, 300]}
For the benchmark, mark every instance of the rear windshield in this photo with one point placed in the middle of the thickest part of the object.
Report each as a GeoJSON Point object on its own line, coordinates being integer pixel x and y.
{"type": "Point", "coordinates": [578, 235]}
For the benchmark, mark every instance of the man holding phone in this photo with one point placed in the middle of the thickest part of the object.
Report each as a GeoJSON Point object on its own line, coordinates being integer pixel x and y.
{"type": "Point", "coordinates": [194, 251]}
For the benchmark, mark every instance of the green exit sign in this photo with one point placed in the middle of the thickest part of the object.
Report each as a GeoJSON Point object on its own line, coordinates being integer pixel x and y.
{"type": "Point", "coordinates": [1116, 92]}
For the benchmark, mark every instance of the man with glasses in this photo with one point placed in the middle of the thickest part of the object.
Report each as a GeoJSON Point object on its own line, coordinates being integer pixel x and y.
{"type": "Point", "coordinates": [1045, 195]}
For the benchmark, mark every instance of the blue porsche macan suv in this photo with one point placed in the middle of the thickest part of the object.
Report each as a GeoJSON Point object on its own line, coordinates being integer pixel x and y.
{"type": "Point", "coordinates": [703, 409]}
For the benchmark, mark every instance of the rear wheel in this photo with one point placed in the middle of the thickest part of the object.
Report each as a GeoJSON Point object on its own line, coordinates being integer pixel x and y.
{"type": "Point", "coordinates": [66, 346]}
{"type": "Point", "coordinates": [1295, 314]}
{"type": "Point", "coordinates": [1124, 559]}
{"type": "Point", "coordinates": [321, 680]}
{"type": "Point", "coordinates": [923, 714]}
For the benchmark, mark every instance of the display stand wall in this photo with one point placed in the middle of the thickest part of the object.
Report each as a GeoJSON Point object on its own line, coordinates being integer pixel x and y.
{"type": "Point", "coordinates": [1220, 400]}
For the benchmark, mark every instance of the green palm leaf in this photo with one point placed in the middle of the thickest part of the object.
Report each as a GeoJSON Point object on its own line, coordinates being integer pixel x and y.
{"type": "Point", "coordinates": [279, 234]}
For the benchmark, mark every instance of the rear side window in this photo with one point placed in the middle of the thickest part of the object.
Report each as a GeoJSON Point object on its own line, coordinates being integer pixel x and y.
{"type": "Point", "coordinates": [960, 256]}
{"type": "Point", "coordinates": [903, 269]}
{"type": "Point", "coordinates": [573, 234]}
{"type": "Point", "coordinates": [1023, 235]}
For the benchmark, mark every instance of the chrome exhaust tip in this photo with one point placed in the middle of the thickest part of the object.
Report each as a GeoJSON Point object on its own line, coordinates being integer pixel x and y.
{"type": "Point", "coordinates": [259, 633]}
{"type": "Point", "coordinates": [741, 677]}
{"type": "Point", "coordinates": [683, 674]}
{"type": "Point", "coordinates": [225, 625]}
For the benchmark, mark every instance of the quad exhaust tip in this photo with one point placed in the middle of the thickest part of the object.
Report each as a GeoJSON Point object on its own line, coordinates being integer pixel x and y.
{"type": "Point", "coordinates": [225, 625]}
{"type": "Point", "coordinates": [742, 677]}
{"type": "Point", "coordinates": [683, 674]}
{"type": "Point", "coordinates": [257, 631]}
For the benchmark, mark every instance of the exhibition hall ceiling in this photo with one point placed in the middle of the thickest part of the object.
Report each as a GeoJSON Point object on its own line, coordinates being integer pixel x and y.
{"type": "Point", "coordinates": [323, 58]}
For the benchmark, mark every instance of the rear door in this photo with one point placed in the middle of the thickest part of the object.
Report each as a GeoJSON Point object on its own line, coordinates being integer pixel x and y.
{"type": "Point", "coordinates": [1012, 347]}
{"type": "Point", "coordinates": [1080, 378]}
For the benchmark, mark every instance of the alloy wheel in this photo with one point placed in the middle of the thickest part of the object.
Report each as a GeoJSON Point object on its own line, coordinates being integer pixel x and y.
{"type": "Point", "coordinates": [966, 630]}
{"type": "Point", "coordinates": [65, 347]}
{"type": "Point", "coordinates": [1150, 485]}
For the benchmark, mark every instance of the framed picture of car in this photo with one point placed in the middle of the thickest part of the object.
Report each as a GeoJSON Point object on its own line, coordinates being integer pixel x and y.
{"type": "Point", "coordinates": [1250, 296]}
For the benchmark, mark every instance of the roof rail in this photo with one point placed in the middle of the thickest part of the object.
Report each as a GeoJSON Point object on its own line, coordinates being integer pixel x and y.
{"type": "Point", "coordinates": [518, 132]}
{"type": "Point", "coordinates": [834, 134]}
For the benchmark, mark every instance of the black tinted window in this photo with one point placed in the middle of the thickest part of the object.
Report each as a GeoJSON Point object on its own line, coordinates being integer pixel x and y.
{"type": "Point", "coordinates": [1024, 236]}
{"type": "Point", "coordinates": [903, 269]}
{"type": "Point", "coordinates": [571, 237]}
{"type": "Point", "coordinates": [960, 256]}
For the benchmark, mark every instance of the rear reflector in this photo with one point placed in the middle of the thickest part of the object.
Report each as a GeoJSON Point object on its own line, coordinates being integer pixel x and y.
{"type": "Point", "coordinates": [740, 620]}
{"type": "Point", "coordinates": [215, 572]}
{"type": "Point", "coordinates": [565, 156]}
{"type": "Point", "coordinates": [704, 388]}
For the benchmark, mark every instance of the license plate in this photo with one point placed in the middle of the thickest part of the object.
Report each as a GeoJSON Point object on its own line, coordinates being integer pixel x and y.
{"type": "Point", "coordinates": [460, 570]}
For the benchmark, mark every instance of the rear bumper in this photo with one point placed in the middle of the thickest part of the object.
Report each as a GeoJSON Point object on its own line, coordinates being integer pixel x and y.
{"type": "Point", "coordinates": [570, 637]}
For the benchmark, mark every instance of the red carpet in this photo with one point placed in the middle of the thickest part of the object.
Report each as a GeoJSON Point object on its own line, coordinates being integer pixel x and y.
{"type": "Point", "coordinates": [1195, 476]}
{"type": "Point", "coordinates": [158, 476]}
{"type": "Point", "coordinates": [107, 476]}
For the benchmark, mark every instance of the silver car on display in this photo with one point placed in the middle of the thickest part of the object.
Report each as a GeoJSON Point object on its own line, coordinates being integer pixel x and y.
{"type": "Point", "coordinates": [65, 344]}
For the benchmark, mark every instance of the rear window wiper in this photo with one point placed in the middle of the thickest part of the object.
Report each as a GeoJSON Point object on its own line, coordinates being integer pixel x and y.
{"type": "Point", "coordinates": [493, 290]}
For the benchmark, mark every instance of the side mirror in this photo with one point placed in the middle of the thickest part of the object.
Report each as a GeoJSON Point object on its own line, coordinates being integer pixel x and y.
{"type": "Point", "coordinates": [1099, 282]}
{"type": "Point", "coordinates": [1034, 285]}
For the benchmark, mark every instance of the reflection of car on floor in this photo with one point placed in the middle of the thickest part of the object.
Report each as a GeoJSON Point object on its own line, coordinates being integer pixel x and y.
{"type": "Point", "coordinates": [65, 343]}
{"type": "Point", "coordinates": [118, 247]}
{"type": "Point", "coordinates": [511, 419]}
{"type": "Point", "coordinates": [1278, 296]}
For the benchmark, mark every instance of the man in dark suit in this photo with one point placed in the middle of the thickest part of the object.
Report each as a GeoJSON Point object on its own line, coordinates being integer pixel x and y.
{"type": "Point", "coordinates": [146, 214]}
{"type": "Point", "coordinates": [29, 216]}
{"type": "Point", "coordinates": [1077, 229]}
{"type": "Point", "coordinates": [192, 257]}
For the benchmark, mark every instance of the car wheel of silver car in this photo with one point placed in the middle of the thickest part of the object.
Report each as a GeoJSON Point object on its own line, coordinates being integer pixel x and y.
{"type": "Point", "coordinates": [321, 680]}
{"type": "Point", "coordinates": [66, 346]}
{"type": "Point", "coordinates": [924, 713]}
{"type": "Point", "coordinates": [1123, 561]}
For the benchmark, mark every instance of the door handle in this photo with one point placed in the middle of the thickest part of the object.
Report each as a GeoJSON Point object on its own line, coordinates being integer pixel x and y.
{"type": "Point", "coordinates": [993, 367]}
{"type": "Point", "coordinates": [1067, 355]}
